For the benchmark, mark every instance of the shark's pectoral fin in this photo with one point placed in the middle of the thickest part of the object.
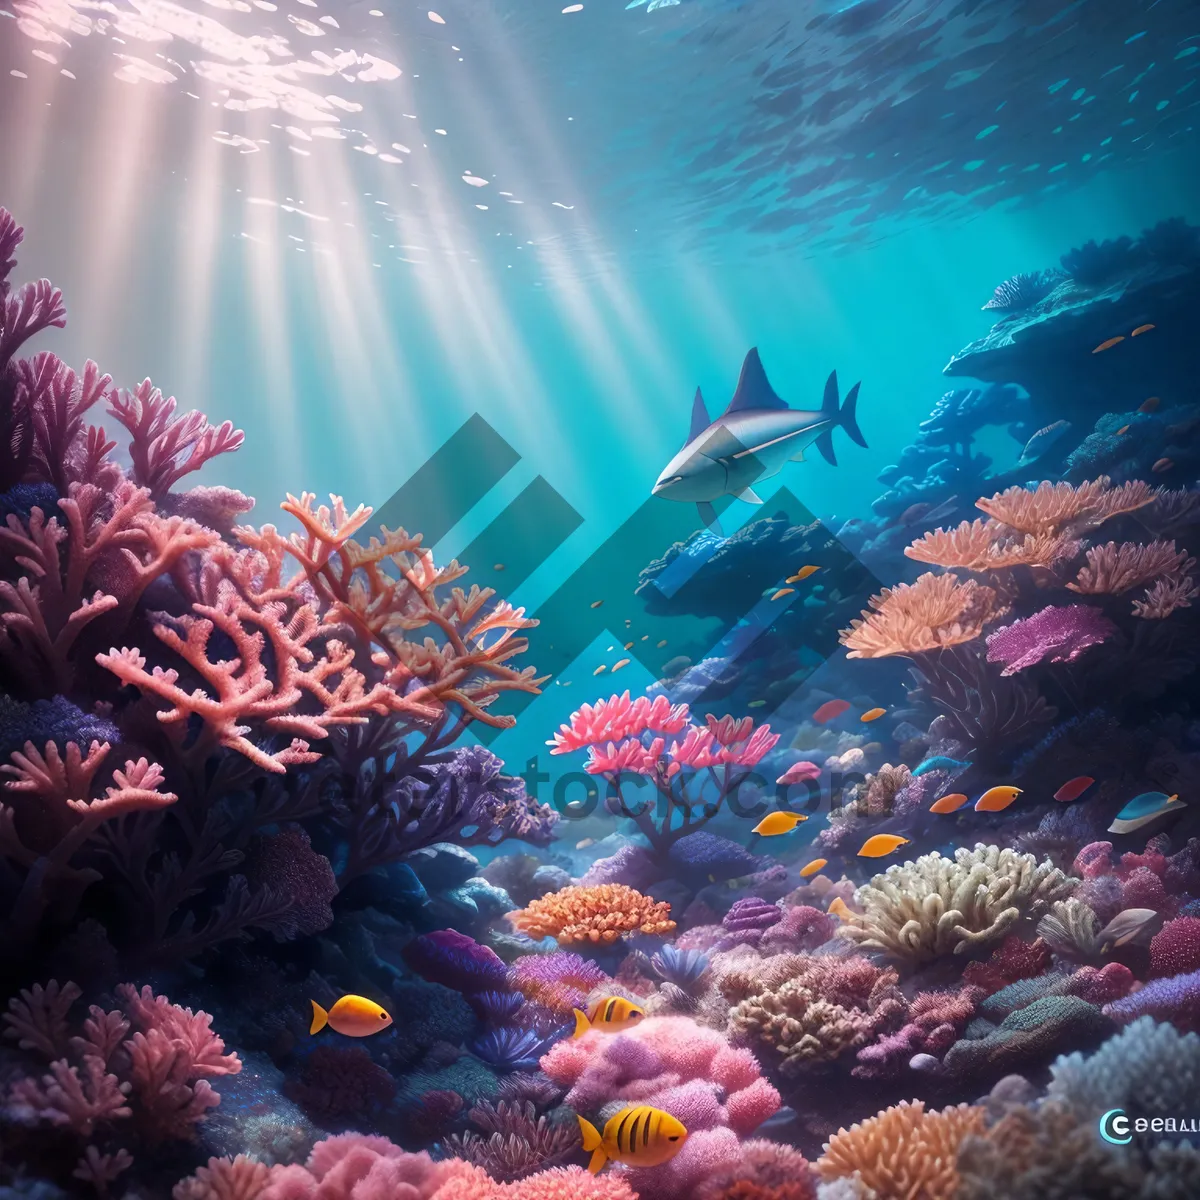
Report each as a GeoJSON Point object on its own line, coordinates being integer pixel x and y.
{"type": "Point", "coordinates": [749, 495]}
{"type": "Point", "coordinates": [708, 515]}
{"type": "Point", "coordinates": [798, 456]}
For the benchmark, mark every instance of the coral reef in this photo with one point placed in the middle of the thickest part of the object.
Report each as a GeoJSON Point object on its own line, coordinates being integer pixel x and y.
{"type": "Point", "coordinates": [921, 910]}
{"type": "Point", "coordinates": [593, 915]}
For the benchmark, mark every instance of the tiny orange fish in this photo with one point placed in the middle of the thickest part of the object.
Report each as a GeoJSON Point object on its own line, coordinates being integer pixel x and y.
{"type": "Point", "coordinates": [1109, 344]}
{"type": "Point", "coordinates": [839, 908]}
{"type": "Point", "coordinates": [1140, 330]}
{"type": "Point", "coordinates": [783, 592]}
{"type": "Point", "coordinates": [628, 645]}
{"type": "Point", "coordinates": [1123, 429]}
{"type": "Point", "coordinates": [881, 844]}
{"type": "Point", "coordinates": [873, 714]}
{"type": "Point", "coordinates": [830, 710]}
{"type": "Point", "coordinates": [802, 574]}
{"type": "Point", "coordinates": [621, 662]}
{"type": "Point", "coordinates": [596, 603]}
{"type": "Point", "coordinates": [949, 804]}
{"type": "Point", "coordinates": [1163, 464]}
{"type": "Point", "coordinates": [997, 799]}
{"type": "Point", "coordinates": [813, 867]}
{"type": "Point", "coordinates": [1149, 405]}
{"type": "Point", "coordinates": [600, 670]}
{"type": "Point", "coordinates": [1073, 789]}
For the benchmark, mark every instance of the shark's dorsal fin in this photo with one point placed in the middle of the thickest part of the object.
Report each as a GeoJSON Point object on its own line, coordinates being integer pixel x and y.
{"type": "Point", "coordinates": [753, 390]}
{"type": "Point", "coordinates": [700, 421]}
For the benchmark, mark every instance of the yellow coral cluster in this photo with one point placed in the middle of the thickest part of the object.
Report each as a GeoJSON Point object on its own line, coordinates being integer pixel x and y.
{"type": "Point", "coordinates": [904, 1152]}
{"type": "Point", "coordinates": [593, 915]}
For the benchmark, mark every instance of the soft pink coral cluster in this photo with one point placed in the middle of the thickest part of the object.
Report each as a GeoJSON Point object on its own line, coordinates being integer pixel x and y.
{"type": "Point", "coordinates": [355, 1166]}
{"type": "Point", "coordinates": [672, 1063]}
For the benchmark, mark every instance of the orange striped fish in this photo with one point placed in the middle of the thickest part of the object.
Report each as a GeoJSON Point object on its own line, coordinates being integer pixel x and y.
{"type": "Point", "coordinates": [638, 1136]}
{"type": "Point", "coordinates": [609, 1014]}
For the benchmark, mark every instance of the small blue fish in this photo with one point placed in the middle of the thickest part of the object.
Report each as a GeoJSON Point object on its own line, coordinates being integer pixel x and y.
{"type": "Point", "coordinates": [939, 762]}
{"type": "Point", "coordinates": [1143, 809]}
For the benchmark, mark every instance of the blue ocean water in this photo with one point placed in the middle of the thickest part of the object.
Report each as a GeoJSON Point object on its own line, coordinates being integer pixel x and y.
{"type": "Point", "coordinates": [357, 230]}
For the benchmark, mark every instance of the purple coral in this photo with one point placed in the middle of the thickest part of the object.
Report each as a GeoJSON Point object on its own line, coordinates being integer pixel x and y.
{"type": "Point", "coordinates": [1056, 634]}
{"type": "Point", "coordinates": [1175, 999]}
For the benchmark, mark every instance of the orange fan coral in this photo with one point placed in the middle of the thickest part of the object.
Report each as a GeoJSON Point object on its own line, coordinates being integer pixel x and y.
{"type": "Point", "coordinates": [914, 618]}
{"type": "Point", "coordinates": [989, 546]}
{"type": "Point", "coordinates": [593, 914]}
{"type": "Point", "coordinates": [1117, 567]}
{"type": "Point", "coordinates": [1052, 507]}
{"type": "Point", "coordinates": [903, 1153]}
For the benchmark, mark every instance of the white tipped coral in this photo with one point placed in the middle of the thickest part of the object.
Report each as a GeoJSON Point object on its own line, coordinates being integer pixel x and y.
{"type": "Point", "coordinates": [936, 906]}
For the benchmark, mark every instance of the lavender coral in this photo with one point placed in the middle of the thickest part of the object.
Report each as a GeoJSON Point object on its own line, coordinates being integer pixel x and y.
{"type": "Point", "coordinates": [1055, 634]}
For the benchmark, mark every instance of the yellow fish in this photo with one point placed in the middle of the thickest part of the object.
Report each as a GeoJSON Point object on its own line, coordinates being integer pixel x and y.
{"type": "Point", "coordinates": [1108, 345]}
{"type": "Point", "coordinates": [773, 824]}
{"type": "Point", "coordinates": [351, 1016]}
{"type": "Point", "coordinates": [873, 714]}
{"type": "Point", "coordinates": [997, 799]}
{"type": "Point", "coordinates": [813, 867]}
{"type": "Point", "coordinates": [609, 1015]}
{"type": "Point", "coordinates": [881, 844]}
{"type": "Point", "coordinates": [802, 574]}
{"type": "Point", "coordinates": [638, 1136]}
{"type": "Point", "coordinates": [839, 908]}
{"type": "Point", "coordinates": [783, 592]}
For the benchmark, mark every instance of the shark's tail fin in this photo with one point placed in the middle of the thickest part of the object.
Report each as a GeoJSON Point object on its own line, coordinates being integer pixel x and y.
{"type": "Point", "coordinates": [845, 416]}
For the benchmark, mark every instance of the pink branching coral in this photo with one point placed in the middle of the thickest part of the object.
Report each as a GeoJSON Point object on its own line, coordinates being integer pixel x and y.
{"type": "Point", "coordinates": [1165, 596]}
{"type": "Point", "coordinates": [629, 737]}
{"type": "Point", "coordinates": [672, 1063]}
{"type": "Point", "coordinates": [935, 1021]}
{"type": "Point", "coordinates": [208, 655]}
{"type": "Point", "coordinates": [1055, 506]}
{"type": "Point", "coordinates": [157, 1079]}
{"type": "Point", "coordinates": [1117, 567]}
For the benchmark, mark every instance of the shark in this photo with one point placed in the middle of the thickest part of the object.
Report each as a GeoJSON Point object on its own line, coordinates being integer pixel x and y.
{"type": "Point", "coordinates": [751, 440]}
